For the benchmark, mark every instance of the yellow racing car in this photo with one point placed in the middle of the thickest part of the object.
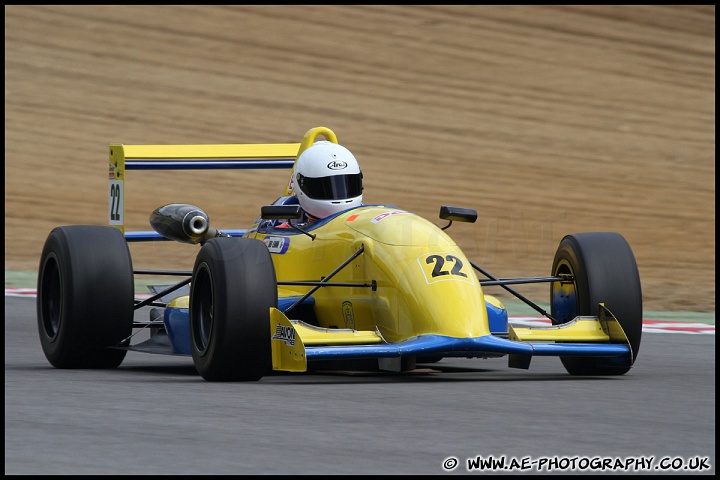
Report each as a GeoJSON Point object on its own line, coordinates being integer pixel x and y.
{"type": "Point", "coordinates": [370, 284]}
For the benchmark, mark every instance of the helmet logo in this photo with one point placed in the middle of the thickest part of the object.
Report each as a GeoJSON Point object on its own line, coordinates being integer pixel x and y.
{"type": "Point", "coordinates": [337, 165]}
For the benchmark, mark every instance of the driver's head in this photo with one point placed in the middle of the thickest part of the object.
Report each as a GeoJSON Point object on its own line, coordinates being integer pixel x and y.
{"type": "Point", "coordinates": [327, 179]}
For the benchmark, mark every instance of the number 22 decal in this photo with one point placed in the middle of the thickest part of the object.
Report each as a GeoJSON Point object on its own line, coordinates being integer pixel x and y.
{"type": "Point", "coordinates": [439, 263]}
{"type": "Point", "coordinates": [115, 205]}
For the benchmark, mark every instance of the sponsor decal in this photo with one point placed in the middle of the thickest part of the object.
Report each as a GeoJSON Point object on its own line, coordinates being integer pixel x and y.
{"type": "Point", "coordinates": [387, 214]}
{"type": "Point", "coordinates": [291, 184]}
{"type": "Point", "coordinates": [115, 172]}
{"type": "Point", "coordinates": [352, 217]}
{"type": "Point", "coordinates": [337, 165]}
{"type": "Point", "coordinates": [277, 245]}
{"type": "Point", "coordinates": [286, 334]}
{"type": "Point", "coordinates": [348, 314]}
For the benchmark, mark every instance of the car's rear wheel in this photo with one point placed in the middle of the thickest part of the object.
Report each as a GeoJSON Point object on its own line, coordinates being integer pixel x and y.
{"type": "Point", "coordinates": [85, 296]}
{"type": "Point", "coordinates": [233, 287]}
{"type": "Point", "coordinates": [604, 270]}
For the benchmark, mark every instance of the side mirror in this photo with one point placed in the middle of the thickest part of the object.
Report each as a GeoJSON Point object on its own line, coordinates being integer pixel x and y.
{"type": "Point", "coordinates": [280, 212]}
{"type": "Point", "coordinates": [457, 214]}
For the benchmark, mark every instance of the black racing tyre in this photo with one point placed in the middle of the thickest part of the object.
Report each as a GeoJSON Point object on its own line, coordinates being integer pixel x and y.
{"type": "Point", "coordinates": [604, 270]}
{"type": "Point", "coordinates": [233, 287]}
{"type": "Point", "coordinates": [85, 296]}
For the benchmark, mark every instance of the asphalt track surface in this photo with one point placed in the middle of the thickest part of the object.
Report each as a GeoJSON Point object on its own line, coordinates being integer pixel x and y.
{"type": "Point", "coordinates": [155, 415]}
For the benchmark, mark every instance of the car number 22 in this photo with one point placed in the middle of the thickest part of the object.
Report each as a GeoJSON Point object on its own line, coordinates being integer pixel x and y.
{"type": "Point", "coordinates": [442, 266]}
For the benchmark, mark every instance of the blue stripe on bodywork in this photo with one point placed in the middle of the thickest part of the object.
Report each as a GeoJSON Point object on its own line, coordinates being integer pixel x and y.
{"type": "Point", "coordinates": [151, 235]}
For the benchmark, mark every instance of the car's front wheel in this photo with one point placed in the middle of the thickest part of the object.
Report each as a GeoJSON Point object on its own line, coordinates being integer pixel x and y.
{"type": "Point", "coordinates": [233, 287]}
{"type": "Point", "coordinates": [604, 271]}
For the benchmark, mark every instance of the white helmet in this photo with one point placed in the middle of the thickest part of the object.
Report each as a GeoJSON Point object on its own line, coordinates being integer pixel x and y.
{"type": "Point", "coordinates": [327, 179]}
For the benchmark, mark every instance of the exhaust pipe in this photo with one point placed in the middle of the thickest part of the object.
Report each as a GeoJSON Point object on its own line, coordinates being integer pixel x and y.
{"type": "Point", "coordinates": [183, 223]}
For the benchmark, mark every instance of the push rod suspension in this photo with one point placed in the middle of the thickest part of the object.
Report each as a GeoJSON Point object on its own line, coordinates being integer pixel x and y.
{"type": "Point", "coordinates": [517, 281]}
{"type": "Point", "coordinates": [527, 301]}
{"type": "Point", "coordinates": [150, 300]}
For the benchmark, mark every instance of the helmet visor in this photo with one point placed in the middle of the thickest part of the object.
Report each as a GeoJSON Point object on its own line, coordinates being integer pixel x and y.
{"type": "Point", "coordinates": [337, 187]}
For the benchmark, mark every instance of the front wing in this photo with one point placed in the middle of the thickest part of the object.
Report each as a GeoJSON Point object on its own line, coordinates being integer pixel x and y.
{"type": "Point", "coordinates": [600, 336]}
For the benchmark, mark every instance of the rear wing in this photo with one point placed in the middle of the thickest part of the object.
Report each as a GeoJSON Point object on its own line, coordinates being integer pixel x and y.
{"type": "Point", "coordinates": [195, 157]}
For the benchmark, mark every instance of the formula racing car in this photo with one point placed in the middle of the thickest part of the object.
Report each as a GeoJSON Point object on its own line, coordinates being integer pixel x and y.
{"type": "Point", "coordinates": [371, 284]}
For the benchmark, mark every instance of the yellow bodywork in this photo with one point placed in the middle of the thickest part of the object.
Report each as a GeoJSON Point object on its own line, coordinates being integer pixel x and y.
{"type": "Point", "coordinates": [425, 284]}
{"type": "Point", "coordinates": [587, 329]}
{"type": "Point", "coordinates": [604, 328]}
{"type": "Point", "coordinates": [288, 350]}
{"type": "Point", "coordinates": [289, 338]}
